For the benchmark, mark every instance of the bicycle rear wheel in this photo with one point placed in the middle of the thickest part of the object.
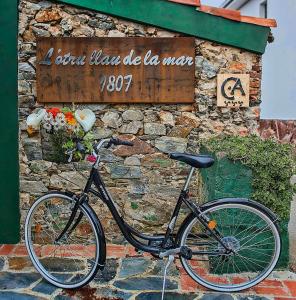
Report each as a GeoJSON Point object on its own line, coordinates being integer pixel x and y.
{"type": "Point", "coordinates": [250, 233]}
{"type": "Point", "coordinates": [72, 261]}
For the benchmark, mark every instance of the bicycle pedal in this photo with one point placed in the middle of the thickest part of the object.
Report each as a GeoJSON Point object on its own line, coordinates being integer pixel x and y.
{"type": "Point", "coordinates": [138, 251]}
{"type": "Point", "coordinates": [186, 252]}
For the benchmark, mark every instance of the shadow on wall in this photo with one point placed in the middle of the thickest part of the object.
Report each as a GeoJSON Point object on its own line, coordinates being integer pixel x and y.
{"type": "Point", "coordinates": [283, 131]}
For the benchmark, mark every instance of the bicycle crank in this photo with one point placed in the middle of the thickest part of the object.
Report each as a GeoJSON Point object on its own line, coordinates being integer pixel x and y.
{"type": "Point", "coordinates": [183, 251]}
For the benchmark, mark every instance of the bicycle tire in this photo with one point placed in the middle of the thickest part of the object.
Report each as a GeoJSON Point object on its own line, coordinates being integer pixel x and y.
{"type": "Point", "coordinates": [229, 284]}
{"type": "Point", "coordinates": [41, 260]}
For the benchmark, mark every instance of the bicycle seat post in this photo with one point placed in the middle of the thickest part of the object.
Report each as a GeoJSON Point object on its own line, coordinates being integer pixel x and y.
{"type": "Point", "coordinates": [188, 179]}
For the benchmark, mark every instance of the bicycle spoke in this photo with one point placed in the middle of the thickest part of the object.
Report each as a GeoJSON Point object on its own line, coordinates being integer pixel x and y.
{"type": "Point", "coordinates": [75, 253]}
{"type": "Point", "coordinates": [250, 234]}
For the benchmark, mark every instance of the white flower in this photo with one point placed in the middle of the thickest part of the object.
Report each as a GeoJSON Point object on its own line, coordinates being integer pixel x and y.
{"type": "Point", "coordinates": [86, 118]}
{"type": "Point", "coordinates": [47, 126]}
{"type": "Point", "coordinates": [59, 117]}
{"type": "Point", "coordinates": [34, 119]}
{"type": "Point", "coordinates": [48, 117]}
{"type": "Point", "coordinates": [56, 127]}
{"type": "Point", "coordinates": [53, 122]}
{"type": "Point", "coordinates": [62, 123]}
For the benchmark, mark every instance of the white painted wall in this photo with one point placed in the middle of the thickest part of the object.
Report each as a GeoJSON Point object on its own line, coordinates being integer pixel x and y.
{"type": "Point", "coordinates": [279, 61]}
{"type": "Point", "coordinates": [251, 8]}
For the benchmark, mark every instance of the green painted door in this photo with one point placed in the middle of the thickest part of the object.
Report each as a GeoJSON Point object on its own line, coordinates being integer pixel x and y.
{"type": "Point", "coordinates": [9, 165]}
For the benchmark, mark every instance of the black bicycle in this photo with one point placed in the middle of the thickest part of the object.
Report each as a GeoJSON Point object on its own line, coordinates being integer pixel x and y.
{"type": "Point", "coordinates": [225, 245]}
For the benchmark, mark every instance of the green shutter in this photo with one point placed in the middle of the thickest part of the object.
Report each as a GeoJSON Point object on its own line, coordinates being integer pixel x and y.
{"type": "Point", "coordinates": [185, 19]}
{"type": "Point", "coordinates": [9, 165]}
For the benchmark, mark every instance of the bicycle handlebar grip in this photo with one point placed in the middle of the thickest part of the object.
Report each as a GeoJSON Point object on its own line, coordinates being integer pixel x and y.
{"type": "Point", "coordinates": [116, 141]}
{"type": "Point", "coordinates": [126, 143]}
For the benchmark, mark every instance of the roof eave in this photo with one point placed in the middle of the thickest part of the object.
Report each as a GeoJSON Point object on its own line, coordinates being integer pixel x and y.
{"type": "Point", "coordinates": [184, 19]}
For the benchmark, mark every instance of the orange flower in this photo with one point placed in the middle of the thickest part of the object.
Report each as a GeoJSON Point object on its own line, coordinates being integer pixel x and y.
{"type": "Point", "coordinates": [54, 111]}
{"type": "Point", "coordinates": [68, 115]}
{"type": "Point", "coordinates": [70, 118]}
{"type": "Point", "coordinates": [72, 122]}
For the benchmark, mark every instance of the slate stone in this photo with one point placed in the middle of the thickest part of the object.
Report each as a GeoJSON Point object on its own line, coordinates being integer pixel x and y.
{"type": "Point", "coordinates": [132, 161]}
{"type": "Point", "coordinates": [137, 187]}
{"type": "Point", "coordinates": [108, 273]}
{"type": "Point", "coordinates": [107, 293]}
{"type": "Point", "coordinates": [251, 297]}
{"type": "Point", "coordinates": [17, 296]}
{"type": "Point", "coordinates": [102, 133]}
{"type": "Point", "coordinates": [139, 147]}
{"type": "Point", "coordinates": [105, 25]}
{"type": "Point", "coordinates": [127, 172]}
{"type": "Point", "coordinates": [132, 115]}
{"type": "Point", "coordinates": [171, 144]}
{"type": "Point", "coordinates": [147, 283]}
{"type": "Point", "coordinates": [47, 288]}
{"type": "Point", "coordinates": [134, 266]}
{"type": "Point", "coordinates": [108, 156]}
{"type": "Point", "coordinates": [205, 67]}
{"type": "Point", "coordinates": [44, 287]}
{"type": "Point", "coordinates": [168, 295]}
{"type": "Point", "coordinates": [32, 149]}
{"type": "Point", "coordinates": [2, 262]}
{"type": "Point", "coordinates": [40, 32]}
{"type": "Point", "coordinates": [17, 280]}
{"type": "Point", "coordinates": [132, 127]}
{"type": "Point", "coordinates": [159, 269]}
{"type": "Point", "coordinates": [55, 264]}
{"type": "Point", "coordinates": [116, 33]}
{"type": "Point", "coordinates": [154, 129]}
{"type": "Point", "coordinates": [112, 119]}
{"type": "Point", "coordinates": [214, 296]}
{"type": "Point", "coordinates": [25, 67]}
{"type": "Point", "coordinates": [24, 87]}
{"type": "Point", "coordinates": [33, 187]}
{"type": "Point", "coordinates": [45, 4]}
{"type": "Point", "coordinates": [62, 297]}
{"type": "Point", "coordinates": [39, 166]}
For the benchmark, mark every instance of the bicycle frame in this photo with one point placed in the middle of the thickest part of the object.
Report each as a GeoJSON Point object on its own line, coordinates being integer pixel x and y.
{"type": "Point", "coordinates": [132, 234]}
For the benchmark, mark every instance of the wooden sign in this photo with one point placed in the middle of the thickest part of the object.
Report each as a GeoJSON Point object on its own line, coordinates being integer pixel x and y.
{"type": "Point", "coordinates": [233, 90]}
{"type": "Point", "coordinates": [115, 70]}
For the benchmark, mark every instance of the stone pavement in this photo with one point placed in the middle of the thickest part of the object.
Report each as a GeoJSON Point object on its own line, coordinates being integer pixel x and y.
{"type": "Point", "coordinates": [128, 275]}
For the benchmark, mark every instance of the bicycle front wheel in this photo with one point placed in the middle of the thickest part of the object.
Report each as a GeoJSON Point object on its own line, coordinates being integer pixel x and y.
{"type": "Point", "coordinates": [249, 232]}
{"type": "Point", "coordinates": [72, 261]}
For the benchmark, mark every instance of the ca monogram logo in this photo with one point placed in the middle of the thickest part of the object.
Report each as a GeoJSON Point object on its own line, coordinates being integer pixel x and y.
{"type": "Point", "coordinates": [233, 90]}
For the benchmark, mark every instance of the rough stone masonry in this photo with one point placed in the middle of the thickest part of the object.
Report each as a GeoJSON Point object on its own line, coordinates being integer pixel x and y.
{"type": "Point", "coordinates": [143, 180]}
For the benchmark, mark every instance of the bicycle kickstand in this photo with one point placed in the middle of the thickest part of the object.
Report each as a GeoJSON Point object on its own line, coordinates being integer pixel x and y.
{"type": "Point", "coordinates": [170, 260]}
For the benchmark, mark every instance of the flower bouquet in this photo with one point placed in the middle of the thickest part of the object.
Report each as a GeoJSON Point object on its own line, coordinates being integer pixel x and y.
{"type": "Point", "coordinates": [65, 127]}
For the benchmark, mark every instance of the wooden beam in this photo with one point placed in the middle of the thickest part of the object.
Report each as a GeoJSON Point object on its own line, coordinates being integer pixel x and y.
{"type": "Point", "coordinates": [9, 163]}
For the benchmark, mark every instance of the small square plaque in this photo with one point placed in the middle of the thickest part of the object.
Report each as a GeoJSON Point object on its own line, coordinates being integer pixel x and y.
{"type": "Point", "coordinates": [233, 90]}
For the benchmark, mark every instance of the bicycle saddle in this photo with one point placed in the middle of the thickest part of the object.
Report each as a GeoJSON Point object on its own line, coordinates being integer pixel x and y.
{"type": "Point", "coordinates": [197, 161]}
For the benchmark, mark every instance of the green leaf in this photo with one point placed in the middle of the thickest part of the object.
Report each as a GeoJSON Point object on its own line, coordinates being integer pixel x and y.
{"type": "Point", "coordinates": [272, 166]}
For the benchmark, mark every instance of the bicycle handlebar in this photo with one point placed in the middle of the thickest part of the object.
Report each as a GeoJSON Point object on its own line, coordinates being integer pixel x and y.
{"type": "Point", "coordinates": [115, 141]}
{"type": "Point", "coordinates": [112, 141]}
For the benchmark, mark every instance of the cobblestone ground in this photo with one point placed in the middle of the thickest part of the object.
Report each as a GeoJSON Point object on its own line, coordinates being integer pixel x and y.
{"type": "Point", "coordinates": [128, 275]}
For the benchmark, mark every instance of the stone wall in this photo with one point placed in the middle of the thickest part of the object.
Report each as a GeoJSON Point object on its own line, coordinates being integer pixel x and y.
{"type": "Point", "coordinates": [143, 180]}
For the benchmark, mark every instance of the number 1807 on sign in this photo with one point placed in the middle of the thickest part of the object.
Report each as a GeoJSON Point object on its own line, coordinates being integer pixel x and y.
{"type": "Point", "coordinates": [114, 83]}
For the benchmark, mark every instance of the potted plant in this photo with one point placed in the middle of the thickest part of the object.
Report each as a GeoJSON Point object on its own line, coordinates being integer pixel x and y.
{"type": "Point", "coordinates": [61, 128]}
